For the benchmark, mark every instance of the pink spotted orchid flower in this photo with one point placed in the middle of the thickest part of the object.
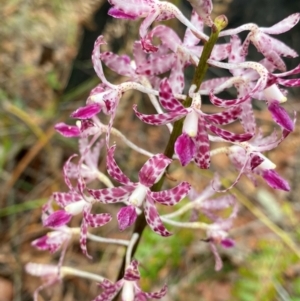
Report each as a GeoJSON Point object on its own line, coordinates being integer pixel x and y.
{"type": "Point", "coordinates": [207, 204]}
{"type": "Point", "coordinates": [53, 240]}
{"type": "Point", "coordinates": [253, 80]}
{"type": "Point", "coordinates": [272, 49]}
{"type": "Point", "coordinates": [73, 203]}
{"type": "Point", "coordinates": [248, 159]}
{"type": "Point", "coordinates": [139, 194]}
{"type": "Point", "coordinates": [131, 290]}
{"type": "Point", "coordinates": [194, 141]}
{"type": "Point", "coordinates": [153, 10]}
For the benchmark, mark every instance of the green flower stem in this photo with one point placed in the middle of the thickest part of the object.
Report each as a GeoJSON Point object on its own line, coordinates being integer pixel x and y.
{"type": "Point", "coordinates": [200, 72]}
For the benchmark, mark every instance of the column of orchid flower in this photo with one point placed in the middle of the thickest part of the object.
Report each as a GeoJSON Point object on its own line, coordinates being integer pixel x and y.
{"type": "Point", "coordinates": [191, 133]}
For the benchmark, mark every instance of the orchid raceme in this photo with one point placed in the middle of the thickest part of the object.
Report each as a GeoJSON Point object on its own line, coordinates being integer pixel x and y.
{"type": "Point", "coordinates": [138, 195]}
{"type": "Point", "coordinates": [158, 66]}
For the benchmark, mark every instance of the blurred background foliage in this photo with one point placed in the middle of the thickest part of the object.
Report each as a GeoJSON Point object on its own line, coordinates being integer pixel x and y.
{"type": "Point", "coordinates": [45, 73]}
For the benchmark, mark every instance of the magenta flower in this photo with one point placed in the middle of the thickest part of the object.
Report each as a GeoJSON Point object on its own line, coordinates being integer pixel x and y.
{"type": "Point", "coordinates": [151, 10]}
{"type": "Point", "coordinates": [248, 158]}
{"type": "Point", "coordinates": [183, 53]}
{"type": "Point", "coordinates": [139, 194]}
{"type": "Point", "coordinates": [73, 203]}
{"type": "Point", "coordinates": [272, 49]}
{"type": "Point", "coordinates": [194, 141]}
{"type": "Point", "coordinates": [131, 291]}
{"type": "Point", "coordinates": [53, 240]}
{"type": "Point", "coordinates": [265, 88]}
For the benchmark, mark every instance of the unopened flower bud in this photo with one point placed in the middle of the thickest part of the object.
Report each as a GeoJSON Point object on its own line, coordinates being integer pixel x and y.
{"type": "Point", "coordinates": [221, 22]}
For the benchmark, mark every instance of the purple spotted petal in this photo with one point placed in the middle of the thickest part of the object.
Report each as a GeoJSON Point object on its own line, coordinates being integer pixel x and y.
{"type": "Point", "coordinates": [112, 195]}
{"type": "Point", "coordinates": [155, 295]}
{"type": "Point", "coordinates": [136, 8]}
{"type": "Point", "coordinates": [57, 219]}
{"type": "Point", "coordinates": [294, 82]}
{"type": "Point", "coordinates": [284, 25]}
{"type": "Point", "coordinates": [138, 53]}
{"type": "Point", "coordinates": [52, 241]}
{"type": "Point", "coordinates": [167, 36]}
{"type": "Point", "coordinates": [166, 98]}
{"type": "Point", "coordinates": [185, 149]}
{"type": "Point", "coordinates": [229, 136]}
{"type": "Point", "coordinates": [65, 172]}
{"type": "Point", "coordinates": [65, 198]}
{"type": "Point", "coordinates": [67, 130]}
{"type": "Point", "coordinates": [203, 8]}
{"type": "Point", "coordinates": [153, 218]}
{"type": "Point", "coordinates": [189, 38]}
{"type": "Point", "coordinates": [118, 63]}
{"type": "Point", "coordinates": [153, 169]}
{"type": "Point", "coordinates": [113, 169]}
{"type": "Point", "coordinates": [171, 196]}
{"type": "Point", "coordinates": [126, 217]}
{"type": "Point", "coordinates": [280, 116]}
{"type": "Point", "coordinates": [224, 103]}
{"type": "Point", "coordinates": [160, 119]}
{"type": "Point", "coordinates": [110, 290]}
{"type": "Point", "coordinates": [157, 65]}
{"type": "Point", "coordinates": [87, 112]}
{"type": "Point", "coordinates": [275, 181]}
{"type": "Point", "coordinates": [132, 273]}
{"type": "Point", "coordinates": [202, 154]}
{"type": "Point", "coordinates": [220, 52]}
{"type": "Point", "coordinates": [96, 220]}
{"type": "Point", "coordinates": [87, 128]}
{"type": "Point", "coordinates": [255, 160]}
{"type": "Point", "coordinates": [176, 78]}
{"type": "Point", "coordinates": [83, 238]}
{"type": "Point", "coordinates": [225, 117]}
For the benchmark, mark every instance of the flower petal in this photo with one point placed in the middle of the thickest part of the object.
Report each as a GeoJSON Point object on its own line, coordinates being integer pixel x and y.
{"type": "Point", "coordinates": [113, 169]}
{"type": "Point", "coordinates": [155, 295]}
{"type": "Point", "coordinates": [126, 217]}
{"type": "Point", "coordinates": [65, 198]}
{"type": "Point", "coordinates": [118, 63]}
{"type": "Point", "coordinates": [83, 238]}
{"type": "Point", "coordinates": [132, 273]}
{"type": "Point", "coordinates": [110, 290]}
{"type": "Point", "coordinates": [171, 196]}
{"type": "Point", "coordinates": [229, 136]}
{"type": "Point", "coordinates": [112, 195]}
{"type": "Point", "coordinates": [153, 169]}
{"type": "Point", "coordinates": [166, 98]}
{"type": "Point", "coordinates": [57, 219]}
{"type": "Point", "coordinates": [281, 116]}
{"type": "Point", "coordinates": [160, 119]}
{"type": "Point", "coordinates": [87, 111]}
{"type": "Point", "coordinates": [274, 180]}
{"type": "Point", "coordinates": [97, 220]}
{"type": "Point", "coordinates": [185, 149]}
{"type": "Point", "coordinates": [153, 218]}
{"type": "Point", "coordinates": [67, 130]}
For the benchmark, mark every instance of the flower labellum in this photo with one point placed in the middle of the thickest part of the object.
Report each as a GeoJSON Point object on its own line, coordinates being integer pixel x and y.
{"type": "Point", "coordinates": [126, 217]}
